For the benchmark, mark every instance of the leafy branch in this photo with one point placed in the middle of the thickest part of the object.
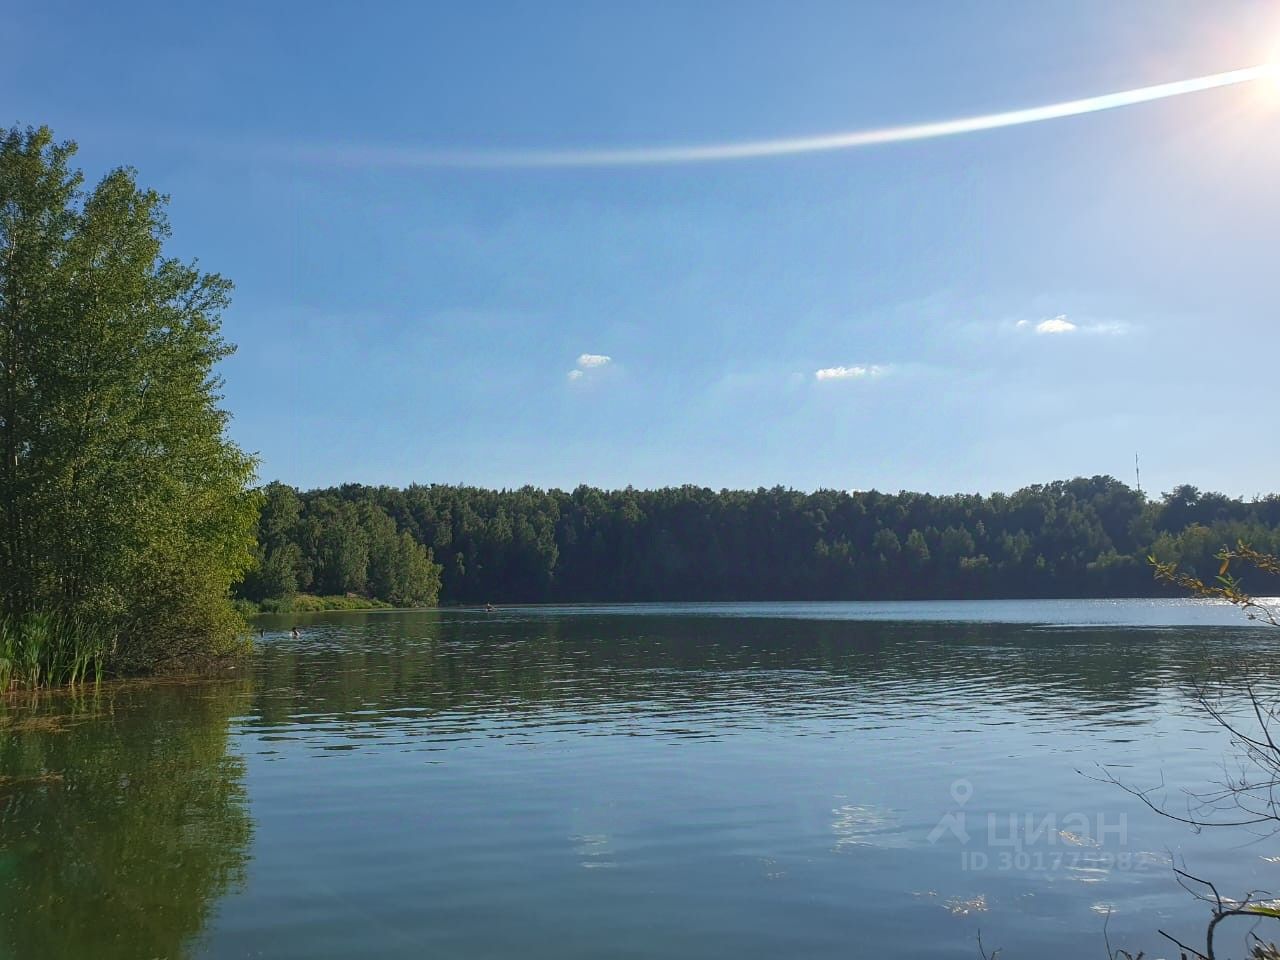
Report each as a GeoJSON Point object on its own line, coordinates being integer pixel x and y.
{"type": "Point", "coordinates": [1226, 587]}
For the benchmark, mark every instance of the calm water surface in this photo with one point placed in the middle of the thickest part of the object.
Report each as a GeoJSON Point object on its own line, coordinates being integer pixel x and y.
{"type": "Point", "coordinates": [744, 781]}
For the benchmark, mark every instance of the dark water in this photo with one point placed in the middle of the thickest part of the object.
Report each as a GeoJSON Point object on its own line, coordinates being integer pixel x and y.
{"type": "Point", "coordinates": [794, 780]}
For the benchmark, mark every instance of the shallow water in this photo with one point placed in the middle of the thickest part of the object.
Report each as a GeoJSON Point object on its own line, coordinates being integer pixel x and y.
{"type": "Point", "coordinates": [759, 780]}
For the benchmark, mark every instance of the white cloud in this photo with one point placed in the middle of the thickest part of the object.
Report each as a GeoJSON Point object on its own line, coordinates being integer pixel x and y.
{"type": "Point", "coordinates": [1058, 324]}
{"type": "Point", "coordinates": [1055, 326]}
{"type": "Point", "coordinates": [857, 372]}
{"type": "Point", "coordinates": [588, 363]}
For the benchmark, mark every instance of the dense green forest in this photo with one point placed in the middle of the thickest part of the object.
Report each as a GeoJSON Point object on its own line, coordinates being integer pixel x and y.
{"type": "Point", "coordinates": [1073, 538]}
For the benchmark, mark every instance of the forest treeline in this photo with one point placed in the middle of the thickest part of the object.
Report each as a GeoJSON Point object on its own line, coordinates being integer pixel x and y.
{"type": "Point", "coordinates": [455, 544]}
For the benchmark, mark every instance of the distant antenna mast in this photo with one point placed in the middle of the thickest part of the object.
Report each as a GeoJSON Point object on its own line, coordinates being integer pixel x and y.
{"type": "Point", "coordinates": [1137, 473]}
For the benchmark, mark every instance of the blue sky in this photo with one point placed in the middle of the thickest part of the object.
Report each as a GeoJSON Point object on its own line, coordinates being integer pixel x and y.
{"type": "Point", "coordinates": [1008, 307]}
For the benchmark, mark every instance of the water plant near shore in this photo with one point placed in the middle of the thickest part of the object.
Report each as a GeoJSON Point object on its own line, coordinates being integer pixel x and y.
{"type": "Point", "coordinates": [48, 649]}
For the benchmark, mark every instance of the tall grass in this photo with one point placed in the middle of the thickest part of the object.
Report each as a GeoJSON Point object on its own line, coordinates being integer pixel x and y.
{"type": "Point", "coordinates": [49, 649]}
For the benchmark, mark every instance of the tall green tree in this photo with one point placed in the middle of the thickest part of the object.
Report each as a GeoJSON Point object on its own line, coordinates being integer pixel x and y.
{"type": "Point", "coordinates": [278, 563]}
{"type": "Point", "coordinates": [121, 497]}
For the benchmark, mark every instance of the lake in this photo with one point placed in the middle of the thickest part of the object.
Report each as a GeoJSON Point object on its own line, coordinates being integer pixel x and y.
{"type": "Point", "coordinates": [720, 780]}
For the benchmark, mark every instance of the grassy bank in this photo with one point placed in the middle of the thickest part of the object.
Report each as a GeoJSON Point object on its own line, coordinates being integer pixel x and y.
{"type": "Point", "coordinates": [309, 603]}
{"type": "Point", "coordinates": [53, 650]}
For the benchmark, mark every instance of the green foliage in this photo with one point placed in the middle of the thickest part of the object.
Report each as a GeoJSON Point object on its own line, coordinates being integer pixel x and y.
{"type": "Point", "coordinates": [122, 503]}
{"type": "Point", "coordinates": [336, 548]}
{"type": "Point", "coordinates": [277, 567]}
{"type": "Point", "coordinates": [1081, 537]}
{"type": "Point", "coordinates": [309, 603]}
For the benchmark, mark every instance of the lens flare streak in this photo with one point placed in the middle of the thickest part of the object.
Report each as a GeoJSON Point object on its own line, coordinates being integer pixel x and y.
{"type": "Point", "coordinates": [408, 157]}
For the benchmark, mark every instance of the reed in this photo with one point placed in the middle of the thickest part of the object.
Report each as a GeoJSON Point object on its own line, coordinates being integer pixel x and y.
{"type": "Point", "coordinates": [49, 649]}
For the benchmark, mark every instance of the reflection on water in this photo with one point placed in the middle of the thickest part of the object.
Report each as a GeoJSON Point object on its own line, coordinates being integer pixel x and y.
{"type": "Point", "coordinates": [790, 780]}
{"type": "Point", "coordinates": [123, 819]}
{"type": "Point", "coordinates": [368, 676]}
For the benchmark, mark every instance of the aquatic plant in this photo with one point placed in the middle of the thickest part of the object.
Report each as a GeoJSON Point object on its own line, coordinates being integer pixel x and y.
{"type": "Point", "coordinates": [46, 649]}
